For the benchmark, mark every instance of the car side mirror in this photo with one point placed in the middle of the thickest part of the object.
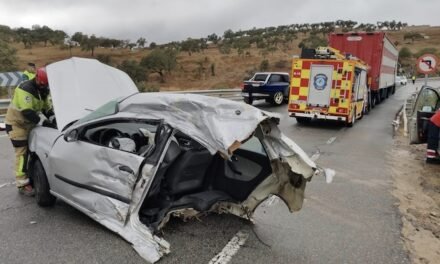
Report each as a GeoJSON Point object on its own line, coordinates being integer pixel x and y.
{"type": "Point", "coordinates": [71, 136]}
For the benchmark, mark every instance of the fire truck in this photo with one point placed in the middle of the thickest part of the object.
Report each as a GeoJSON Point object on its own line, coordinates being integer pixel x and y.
{"type": "Point", "coordinates": [328, 85]}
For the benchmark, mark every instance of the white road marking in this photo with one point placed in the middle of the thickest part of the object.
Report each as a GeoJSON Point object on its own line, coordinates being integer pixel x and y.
{"type": "Point", "coordinates": [6, 184]}
{"type": "Point", "coordinates": [231, 248]}
{"type": "Point", "coordinates": [331, 140]}
{"type": "Point", "coordinates": [5, 135]}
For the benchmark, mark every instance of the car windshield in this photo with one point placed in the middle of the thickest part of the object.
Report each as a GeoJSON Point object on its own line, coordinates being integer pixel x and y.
{"type": "Point", "coordinates": [260, 77]}
{"type": "Point", "coordinates": [107, 109]}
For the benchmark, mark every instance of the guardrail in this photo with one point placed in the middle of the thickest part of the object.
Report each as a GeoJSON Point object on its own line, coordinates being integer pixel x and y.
{"type": "Point", "coordinates": [231, 94]}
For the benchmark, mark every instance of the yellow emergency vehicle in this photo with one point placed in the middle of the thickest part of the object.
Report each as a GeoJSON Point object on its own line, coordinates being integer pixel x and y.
{"type": "Point", "coordinates": [328, 85]}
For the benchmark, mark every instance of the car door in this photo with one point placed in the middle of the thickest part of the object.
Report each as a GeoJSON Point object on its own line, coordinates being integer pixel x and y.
{"type": "Point", "coordinates": [427, 102]}
{"type": "Point", "coordinates": [276, 83]}
{"type": "Point", "coordinates": [97, 179]}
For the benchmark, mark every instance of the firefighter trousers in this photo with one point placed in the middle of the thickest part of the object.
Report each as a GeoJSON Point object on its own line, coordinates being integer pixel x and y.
{"type": "Point", "coordinates": [18, 137]}
{"type": "Point", "coordinates": [433, 138]}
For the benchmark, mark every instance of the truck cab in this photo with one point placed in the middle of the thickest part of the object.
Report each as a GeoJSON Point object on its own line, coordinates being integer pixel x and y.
{"type": "Point", "coordinates": [270, 86]}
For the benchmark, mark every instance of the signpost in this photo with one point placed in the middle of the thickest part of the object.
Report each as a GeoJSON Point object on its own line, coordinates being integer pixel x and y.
{"type": "Point", "coordinates": [427, 64]}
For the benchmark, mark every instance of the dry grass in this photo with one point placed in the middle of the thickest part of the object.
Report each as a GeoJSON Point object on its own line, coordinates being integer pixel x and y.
{"type": "Point", "coordinates": [230, 69]}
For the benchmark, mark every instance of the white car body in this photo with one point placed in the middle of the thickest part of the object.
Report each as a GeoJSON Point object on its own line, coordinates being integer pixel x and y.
{"type": "Point", "coordinates": [121, 189]}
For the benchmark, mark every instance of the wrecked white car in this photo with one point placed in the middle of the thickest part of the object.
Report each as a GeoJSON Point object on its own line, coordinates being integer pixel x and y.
{"type": "Point", "coordinates": [141, 158]}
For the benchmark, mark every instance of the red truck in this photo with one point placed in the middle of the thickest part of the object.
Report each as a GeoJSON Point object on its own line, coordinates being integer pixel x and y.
{"type": "Point", "coordinates": [376, 49]}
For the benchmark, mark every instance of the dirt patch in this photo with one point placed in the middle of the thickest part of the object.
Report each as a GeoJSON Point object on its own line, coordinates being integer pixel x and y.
{"type": "Point", "coordinates": [417, 186]}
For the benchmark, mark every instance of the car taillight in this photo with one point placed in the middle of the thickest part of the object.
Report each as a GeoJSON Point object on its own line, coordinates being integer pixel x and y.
{"type": "Point", "coordinates": [242, 86]}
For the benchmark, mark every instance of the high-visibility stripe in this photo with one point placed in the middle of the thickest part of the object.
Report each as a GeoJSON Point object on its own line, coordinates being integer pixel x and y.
{"type": "Point", "coordinates": [20, 171]}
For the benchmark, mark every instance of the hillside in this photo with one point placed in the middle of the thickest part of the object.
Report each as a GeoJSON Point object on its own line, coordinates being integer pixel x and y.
{"type": "Point", "coordinates": [195, 71]}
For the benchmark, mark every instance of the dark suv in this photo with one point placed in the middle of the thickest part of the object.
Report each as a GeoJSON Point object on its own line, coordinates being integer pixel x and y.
{"type": "Point", "coordinates": [271, 86]}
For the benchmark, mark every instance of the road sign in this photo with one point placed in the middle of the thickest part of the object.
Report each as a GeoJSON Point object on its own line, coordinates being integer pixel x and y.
{"type": "Point", "coordinates": [427, 63]}
{"type": "Point", "coordinates": [10, 79]}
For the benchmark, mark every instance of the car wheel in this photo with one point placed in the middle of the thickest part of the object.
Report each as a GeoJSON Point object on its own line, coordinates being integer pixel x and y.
{"type": "Point", "coordinates": [248, 100]}
{"type": "Point", "coordinates": [41, 185]}
{"type": "Point", "coordinates": [278, 98]}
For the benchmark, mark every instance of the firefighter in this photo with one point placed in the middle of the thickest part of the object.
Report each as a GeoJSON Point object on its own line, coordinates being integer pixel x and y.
{"type": "Point", "coordinates": [432, 155]}
{"type": "Point", "coordinates": [29, 107]}
{"type": "Point", "coordinates": [29, 73]}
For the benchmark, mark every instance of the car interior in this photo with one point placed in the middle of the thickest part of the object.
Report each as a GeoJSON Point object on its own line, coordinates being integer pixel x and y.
{"type": "Point", "coordinates": [190, 177]}
{"type": "Point", "coordinates": [134, 137]}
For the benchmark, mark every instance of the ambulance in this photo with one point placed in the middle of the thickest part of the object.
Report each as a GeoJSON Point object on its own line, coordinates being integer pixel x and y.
{"type": "Point", "coordinates": [328, 85]}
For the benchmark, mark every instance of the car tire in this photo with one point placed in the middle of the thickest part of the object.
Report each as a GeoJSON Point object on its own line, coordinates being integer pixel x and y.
{"type": "Point", "coordinates": [303, 120]}
{"type": "Point", "coordinates": [278, 98]}
{"type": "Point", "coordinates": [248, 100]}
{"type": "Point", "coordinates": [41, 185]}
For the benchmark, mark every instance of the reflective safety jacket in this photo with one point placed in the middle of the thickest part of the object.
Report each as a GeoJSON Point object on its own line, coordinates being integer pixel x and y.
{"type": "Point", "coordinates": [27, 75]}
{"type": "Point", "coordinates": [26, 105]}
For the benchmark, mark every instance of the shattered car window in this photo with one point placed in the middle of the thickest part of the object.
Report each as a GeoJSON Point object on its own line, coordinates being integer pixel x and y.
{"type": "Point", "coordinates": [254, 145]}
{"type": "Point", "coordinates": [107, 109]}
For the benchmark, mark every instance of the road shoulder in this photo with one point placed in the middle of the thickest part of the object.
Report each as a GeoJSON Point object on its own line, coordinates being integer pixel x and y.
{"type": "Point", "coordinates": [417, 186]}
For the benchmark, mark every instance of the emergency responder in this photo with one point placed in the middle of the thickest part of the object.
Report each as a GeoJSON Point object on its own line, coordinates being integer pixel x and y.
{"type": "Point", "coordinates": [29, 107]}
{"type": "Point", "coordinates": [413, 79]}
{"type": "Point", "coordinates": [432, 155]}
{"type": "Point", "coordinates": [29, 73]}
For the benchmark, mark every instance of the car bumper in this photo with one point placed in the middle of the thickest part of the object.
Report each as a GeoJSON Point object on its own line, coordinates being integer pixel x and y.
{"type": "Point", "coordinates": [319, 116]}
{"type": "Point", "coordinates": [256, 95]}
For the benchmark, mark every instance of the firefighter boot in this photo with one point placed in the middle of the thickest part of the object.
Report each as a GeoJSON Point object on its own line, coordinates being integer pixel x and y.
{"type": "Point", "coordinates": [432, 157]}
{"type": "Point", "coordinates": [26, 190]}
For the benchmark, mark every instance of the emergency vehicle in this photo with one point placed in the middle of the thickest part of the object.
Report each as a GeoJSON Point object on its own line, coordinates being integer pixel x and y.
{"type": "Point", "coordinates": [328, 85]}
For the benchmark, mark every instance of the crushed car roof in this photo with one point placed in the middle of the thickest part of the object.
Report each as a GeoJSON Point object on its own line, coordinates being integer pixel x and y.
{"type": "Point", "coordinates": [79, 85]}
{"type": "Point", "coordinates": [214, 122]}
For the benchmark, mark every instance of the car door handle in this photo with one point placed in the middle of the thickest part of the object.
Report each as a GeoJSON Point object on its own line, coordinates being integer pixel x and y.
{"type": "Point", "coordinates": [125, 169]}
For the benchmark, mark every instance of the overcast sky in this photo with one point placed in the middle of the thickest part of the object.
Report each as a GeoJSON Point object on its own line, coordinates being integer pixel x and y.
{"type": "Point", "coordinates": [166, 20]}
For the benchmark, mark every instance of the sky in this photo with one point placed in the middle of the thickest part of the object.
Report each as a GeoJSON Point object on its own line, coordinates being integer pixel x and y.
{"type": "Point", "coordinates": [162, 21]}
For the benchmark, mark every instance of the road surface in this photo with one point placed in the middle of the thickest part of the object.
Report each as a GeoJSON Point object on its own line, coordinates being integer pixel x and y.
{"type": "Point", "coordinates": [352, 220]}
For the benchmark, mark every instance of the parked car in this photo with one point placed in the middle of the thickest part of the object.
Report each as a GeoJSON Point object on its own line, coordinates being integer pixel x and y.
{"type": "Point", "coordinates": [140, 158]}
{"type": "Point", "coordinates": [423, 105]}
{"type": "Point", "coordinates": [401, 80]}
{"type": "Point", "coordinates": [270, 86]}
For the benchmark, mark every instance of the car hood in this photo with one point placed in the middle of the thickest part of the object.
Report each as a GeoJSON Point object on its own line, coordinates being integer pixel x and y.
{"type": "Point", "coordinates": [79, 85]}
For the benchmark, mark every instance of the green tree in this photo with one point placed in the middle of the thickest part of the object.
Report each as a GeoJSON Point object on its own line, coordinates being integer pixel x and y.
{"type": "Point", "coordinates": [428, 50]}
{"type": "Point", "coordinates": [90, 44]}
{"type": "Point", "coordinates": [8, 57]}
{"type": "Point", "coordinates": [25, 35]}
{"type": "Point", "coordinates": [405, 53]}
{"type": "Point", "coordinates": [79, 37]}
{"type": "Point", "coordinates": [214, 38]}
{"type": "Point", "coordinates": [134, 70]}
{"type": "Point", "coordinates": [153, 45]}
{"type": "Point", "coordinates": [312, 42]}
{"type": "Point", "coordinates": [141, 42]}
{"type": "Point", "coordinates": [160, 61]}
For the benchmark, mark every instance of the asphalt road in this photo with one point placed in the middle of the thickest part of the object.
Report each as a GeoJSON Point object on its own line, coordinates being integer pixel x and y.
{"type": "Point", "coordinates": [352, 220]}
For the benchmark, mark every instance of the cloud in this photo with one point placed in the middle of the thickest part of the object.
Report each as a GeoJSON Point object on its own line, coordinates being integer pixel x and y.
{"type": "Point", "coordinates": [167, 20]}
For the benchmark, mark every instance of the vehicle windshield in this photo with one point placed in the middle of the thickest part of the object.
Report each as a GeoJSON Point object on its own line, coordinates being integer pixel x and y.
{"type": "Point", "coordinates": [260, 77]}
{"type": "Point", "coordinates": [107, 109]}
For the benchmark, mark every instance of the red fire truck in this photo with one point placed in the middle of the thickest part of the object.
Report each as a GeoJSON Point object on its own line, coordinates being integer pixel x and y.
{"type": "Point", "coordinates": [376, 49]}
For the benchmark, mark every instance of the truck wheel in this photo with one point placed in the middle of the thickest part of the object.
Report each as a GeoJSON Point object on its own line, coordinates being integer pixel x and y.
{"type": "Point", "coordinates": [303, 120]}
{"type": "Point", "coordinates": [278, 98]}
{"type": "Point", "coordinates": [41, 185]}
{"type": "Point", "coordinates": [248, 100]}
{"type": "Point", "coordinates": [353, 119]}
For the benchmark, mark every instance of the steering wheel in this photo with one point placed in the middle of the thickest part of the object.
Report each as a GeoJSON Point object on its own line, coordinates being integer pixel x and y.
{"type": "Point", "coordinates": [108, 134]}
